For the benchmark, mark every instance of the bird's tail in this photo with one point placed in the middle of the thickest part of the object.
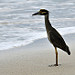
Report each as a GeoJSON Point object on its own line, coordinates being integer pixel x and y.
{"type": "Point", "coordinates": [67, 50]}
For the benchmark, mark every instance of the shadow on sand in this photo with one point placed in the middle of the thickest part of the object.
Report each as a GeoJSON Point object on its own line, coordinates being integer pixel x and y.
{"type": "Point", "coordinates": [53, 65]}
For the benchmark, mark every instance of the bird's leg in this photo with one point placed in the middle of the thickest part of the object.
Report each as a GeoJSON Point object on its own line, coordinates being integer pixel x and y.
{"type": "Point", "coordinates": [56, 57]}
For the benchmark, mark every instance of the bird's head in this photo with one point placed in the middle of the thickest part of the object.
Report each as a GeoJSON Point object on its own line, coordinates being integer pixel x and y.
{"type": "Point", "coordinates": [41, 12]}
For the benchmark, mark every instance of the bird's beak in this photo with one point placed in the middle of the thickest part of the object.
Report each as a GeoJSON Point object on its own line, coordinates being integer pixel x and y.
{"type": "Point", "coordinates": [38, 13]}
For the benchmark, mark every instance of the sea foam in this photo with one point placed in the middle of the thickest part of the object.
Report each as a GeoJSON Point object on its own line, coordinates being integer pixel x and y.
{"type": "Point", "coordinates": [34, 36]}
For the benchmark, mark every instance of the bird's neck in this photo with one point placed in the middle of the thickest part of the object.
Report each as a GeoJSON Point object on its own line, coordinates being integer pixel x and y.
{"type": "Point", "coordinates": [47, 23]}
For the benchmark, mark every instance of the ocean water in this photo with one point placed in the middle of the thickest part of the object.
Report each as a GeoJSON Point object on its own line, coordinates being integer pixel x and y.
{"type": "Point", "coordinates": [18, 27]}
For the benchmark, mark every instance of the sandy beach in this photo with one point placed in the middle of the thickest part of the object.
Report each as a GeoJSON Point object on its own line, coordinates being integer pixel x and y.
{"type": "Point", "coordinates": [36, 58]}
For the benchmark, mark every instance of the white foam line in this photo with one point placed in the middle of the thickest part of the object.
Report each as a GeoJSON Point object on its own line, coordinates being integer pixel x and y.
{"type": "Point", "coordinates": [64, 19]}
{"type": "Point", "coordinates": [67, 30]}
{"type": "Point", "coordinates": [39, 35]}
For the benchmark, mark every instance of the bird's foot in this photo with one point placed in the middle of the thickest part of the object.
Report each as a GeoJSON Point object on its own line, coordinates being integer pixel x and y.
{"type": "Point", "coordinates": [54, 65]}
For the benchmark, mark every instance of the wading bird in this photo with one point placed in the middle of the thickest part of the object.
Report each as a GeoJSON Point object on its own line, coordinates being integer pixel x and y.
{"type": "Point", "coordinates": [53, 35]}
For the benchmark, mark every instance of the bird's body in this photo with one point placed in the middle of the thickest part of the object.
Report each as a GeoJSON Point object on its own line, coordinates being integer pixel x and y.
{"type": "Point", "coordinates": [53, 35]}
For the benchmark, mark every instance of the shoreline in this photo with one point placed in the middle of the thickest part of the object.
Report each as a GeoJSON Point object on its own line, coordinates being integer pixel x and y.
{"type": "Point", "coordinates": [35, 59]}
{"type": "Point", "coordinates": [68, 38]}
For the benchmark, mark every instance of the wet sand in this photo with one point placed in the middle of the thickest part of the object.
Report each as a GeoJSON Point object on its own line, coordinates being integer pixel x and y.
{"type": "Point", "coordinates": [37, 58]}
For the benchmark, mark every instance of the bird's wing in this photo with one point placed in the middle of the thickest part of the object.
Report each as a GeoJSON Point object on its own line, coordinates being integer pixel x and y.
{"type": "Point", "coordinates": [56, 39]}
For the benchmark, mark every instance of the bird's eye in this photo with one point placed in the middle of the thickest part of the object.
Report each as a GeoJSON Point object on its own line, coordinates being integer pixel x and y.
{"type": "Point", "coordinates": [40, 11]}
{"type": "Point", "coordinates": [43, 12]}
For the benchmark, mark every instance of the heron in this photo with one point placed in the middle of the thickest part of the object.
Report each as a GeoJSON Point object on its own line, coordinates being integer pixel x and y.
{"type": "Point", "coordinates": [53, 35]}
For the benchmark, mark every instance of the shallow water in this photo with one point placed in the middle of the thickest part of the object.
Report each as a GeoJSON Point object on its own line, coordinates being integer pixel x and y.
{"type": "Point", "coordinates": [18, 26]}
